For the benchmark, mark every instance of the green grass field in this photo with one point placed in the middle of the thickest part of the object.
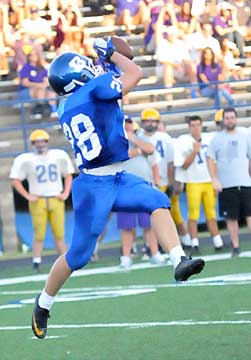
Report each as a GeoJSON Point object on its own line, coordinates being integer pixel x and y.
{"type": "Point", "coordinates": [141, 314]}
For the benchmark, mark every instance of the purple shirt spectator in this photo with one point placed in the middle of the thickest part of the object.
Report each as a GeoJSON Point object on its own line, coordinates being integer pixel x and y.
{"type": "Point", "coordinates": [33, 73]}
{"type": "Point", "coordinates": [131, 5]}
{"type": "Point", "coordinates": [210, 72]}
{"type": "Point", "coordinates": [181, 18]}
{"type": "Point", "coordinates": [180, 2]}
{"type": "Point", "coordinates": [154, 17]}
{"type": "Point", "coordinates": [218, 21]}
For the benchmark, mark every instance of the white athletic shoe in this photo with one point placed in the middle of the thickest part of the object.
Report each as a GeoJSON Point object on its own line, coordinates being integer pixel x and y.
{"type": "Point", "coordinates": [125, 262]}
{"type": "Point", "coordinates": [186, 240]}
{"type": "Point", "coordinates": [157, 259]}
{"type": "Point", "coordinates": [218, 242]}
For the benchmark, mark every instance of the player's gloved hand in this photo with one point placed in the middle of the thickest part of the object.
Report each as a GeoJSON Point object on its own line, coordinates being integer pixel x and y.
{"type": "Point", "coordinates": [104, 48]}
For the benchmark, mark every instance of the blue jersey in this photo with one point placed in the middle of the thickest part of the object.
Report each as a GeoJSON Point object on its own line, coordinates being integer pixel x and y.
{"type": "Point", "coordinates": [93, 122]}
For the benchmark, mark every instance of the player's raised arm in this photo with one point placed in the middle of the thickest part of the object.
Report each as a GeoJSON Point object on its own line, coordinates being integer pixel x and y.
{"type": "Point", "coordinates": [131, 72]}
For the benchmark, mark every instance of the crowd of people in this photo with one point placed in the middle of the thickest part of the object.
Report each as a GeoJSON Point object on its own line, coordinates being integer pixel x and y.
{"type": "Point", "coordinates": [194, 43]}
{"type": "Point", "coordinates": [205, 163]}
{"type": "Point", "coordinates": [138, 173]}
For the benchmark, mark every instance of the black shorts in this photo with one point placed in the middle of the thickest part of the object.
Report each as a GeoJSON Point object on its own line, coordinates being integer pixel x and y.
{"type": "Point", "coordinates": [235, 202]}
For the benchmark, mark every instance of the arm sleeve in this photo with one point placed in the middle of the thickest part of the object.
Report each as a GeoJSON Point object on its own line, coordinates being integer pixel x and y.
{"type": "Point", "coordinates": [179, 155]}
{"type": "Point", "coordinates": [24, 72]}
{"type": "Point", "coordinates": [211, 150]}
{"type": "Point", "coordinates": [154, 158]}
{"type": "Point", "coordinates": [66, 165]}
{"type": "Point", "coordinates": [107, 87]}
{"type": "Point", "coordinates": [170, 152]}
{"type": "Point", "coordinates": [18, 169]}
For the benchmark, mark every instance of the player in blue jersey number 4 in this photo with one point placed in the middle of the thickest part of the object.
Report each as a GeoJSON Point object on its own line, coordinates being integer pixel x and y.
{"type": "Point", "coordinates": [92, 121]}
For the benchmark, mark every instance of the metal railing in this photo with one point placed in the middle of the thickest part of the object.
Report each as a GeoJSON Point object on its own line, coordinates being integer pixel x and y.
{"type": "Point", "coordinates": [26, 125]}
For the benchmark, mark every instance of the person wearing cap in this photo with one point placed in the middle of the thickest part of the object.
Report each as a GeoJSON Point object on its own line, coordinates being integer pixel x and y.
{"type": "Point", "coordinates": [150, 121]}
{"type": "Point", "coordinates": [44, 168]}
{"type": "Point", "coordinates": [143, 162]}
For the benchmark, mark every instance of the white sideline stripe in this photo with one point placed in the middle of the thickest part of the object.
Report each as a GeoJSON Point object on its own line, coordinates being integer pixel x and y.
{"type": "Point", "coordinates": [135, 325]}
{"type": "Point", "coordinates": [50, 337]}
{"type": "Point", "coordinates": [113, 269]}
{"type": "Point", "coordinates": [10, 306]}
{"type": "Point", "coordinates": [242, 312]}
{"type": "Point", "coordinates": [229, 279]}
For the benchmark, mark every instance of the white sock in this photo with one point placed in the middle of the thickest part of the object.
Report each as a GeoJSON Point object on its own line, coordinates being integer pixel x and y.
{"type": "Point", "coordinates": [36, 260]}
{"type": "Point", "coordinates": [175, 255]}
{"type": "Point", "coordinates": [195, 242]}
{"type": "Point", "coordinates": [217, 240]}
{"type": "Point", "coordinates": [186, 239]}
{"type": "Point", "coordinates": [45, 301]}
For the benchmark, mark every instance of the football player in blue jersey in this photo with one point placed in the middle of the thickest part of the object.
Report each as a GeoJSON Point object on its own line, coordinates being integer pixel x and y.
{"type": "Point", "coordinates": [93, 122]}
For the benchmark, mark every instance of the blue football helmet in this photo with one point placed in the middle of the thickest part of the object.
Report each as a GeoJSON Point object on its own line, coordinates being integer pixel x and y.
{"type": "Point", "coordinates": [69, 71]}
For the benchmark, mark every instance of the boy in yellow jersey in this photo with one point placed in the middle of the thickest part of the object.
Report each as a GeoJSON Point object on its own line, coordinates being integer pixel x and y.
{"type": "Point", "coordinates": [44, 168]}
{"type": "Point", "coordinates": [190, 158]}
{"type": "Point", "coordinates": [150, 121]}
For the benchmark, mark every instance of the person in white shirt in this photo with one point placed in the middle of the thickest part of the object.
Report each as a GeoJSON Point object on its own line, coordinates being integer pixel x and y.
{"type": "Point", "coordinates": [199, 40]}
{"type": "Point", "coordinates": [150, 121]}
{"type": "Point", "coordinates": [229, 164]}
{"type": "Point", "coordinates": [44, 168]}
{"type": "Point", "coordinates": [173, 58]}
{"type": "Point", "coordinates": [143, 162]}
{"type": "Point", "coordinates": [190, 158]}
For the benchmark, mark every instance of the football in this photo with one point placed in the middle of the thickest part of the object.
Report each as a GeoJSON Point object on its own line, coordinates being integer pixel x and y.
{"type": "Point", "coordinates": [122, 47]}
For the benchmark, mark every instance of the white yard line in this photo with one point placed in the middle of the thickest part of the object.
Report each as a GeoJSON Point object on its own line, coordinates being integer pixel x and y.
{"type": "Point", "coordinates": [111, 269]}
{"type": "Point", "coordinates": [136, 325]}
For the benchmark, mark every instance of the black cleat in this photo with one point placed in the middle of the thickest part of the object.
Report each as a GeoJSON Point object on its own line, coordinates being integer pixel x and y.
{"type": "Point", "coordinates": [188, 267]}
{"type": "Point", "coordinates": [39, 320]}
{"type": "Point", "coordinates": [36, 267]}
{"type": "Point", "coordinates": [235, 252]}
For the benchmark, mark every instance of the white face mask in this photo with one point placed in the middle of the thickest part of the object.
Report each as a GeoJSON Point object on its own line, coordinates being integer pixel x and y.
{"type": "Point", "coordinates": [40, 147]}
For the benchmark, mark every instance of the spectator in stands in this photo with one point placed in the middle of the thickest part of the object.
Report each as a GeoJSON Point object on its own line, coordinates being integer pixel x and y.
{"type": "Point", "coordinates": [5, 41]}
{"type": "Point", "coordinates": [160, 15]}
{"type": "Point", "coordinates": [68, 23]}
{"type": "Point", "coordinates": [131, 12]}
{"type": "Point", "coordinates": [243, 13]}
{"type": "Point", "coordinates": [172, 53]}
{"type": "Point", "coordinates": [187, 23]}
{"type": "Point", "coordinates": [201, 39]}
{"type": "Point", "coordinates": [208, 73]}
{"type": "Point", "coordinates": [23, 45]}
{"type": "Point", "coordinates": [228, 152]}
{"type": "Point", "coordinates": [18, 11]}
{"type": "Point", "coordinates": [230, 68]}
{"type": "Point", "coordinates": [141, 163]}
{"type": "Point", "coordinates": [73, 24]}
{"type": "Point", "coordinates": [44, 169]}
{"type": "Point", "coordinates": [190, 154]}
{"type": "Point", "coordinates": [34, 84]}
{"type": "Point", "coordinates": [150, 121]}
{"type": "Point", "coordinates": [226, 26]}
{"type": "Point", "coordinates": [41, 28]}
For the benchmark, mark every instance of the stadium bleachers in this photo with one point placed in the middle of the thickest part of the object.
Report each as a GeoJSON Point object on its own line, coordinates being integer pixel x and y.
{"type": "Point", "coordinates": [16, 121]}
